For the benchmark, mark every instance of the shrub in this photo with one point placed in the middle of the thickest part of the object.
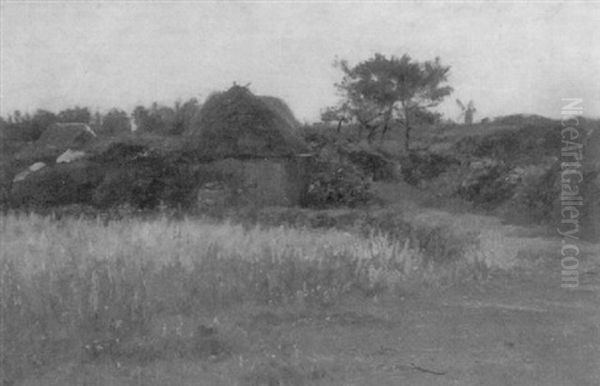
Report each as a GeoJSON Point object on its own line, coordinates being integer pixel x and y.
{"type": "Point", "coordinates": [144, 178]}
{"type": "Point", "coordinates": [62, 184]}
{"type": "Point", "coordinates": [422, 165]}
{"type": "Point", "coordinates": [318, 135]}
{"type": "Point", "coordinates": [373, 164]}
{"type": "Point", "coordinates": [535, 196]}
{"type": "Point", "coordinates": [488, 184]}
{"type": "Point", "coordinates": [525, 145]}
{"type": "Point", "coordinates": [335, 184]}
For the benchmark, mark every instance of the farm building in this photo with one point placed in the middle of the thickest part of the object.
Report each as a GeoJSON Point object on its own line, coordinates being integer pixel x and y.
{"type": "Point", "coordinates": [63, 136]}
{"type": "Point", "coordinates": [252, 143]}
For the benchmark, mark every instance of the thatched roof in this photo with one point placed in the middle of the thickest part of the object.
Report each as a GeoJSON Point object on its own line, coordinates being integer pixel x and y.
{"type": "Point", "coordinates": [236, 123]}
{"type": "Point", "coordinates": [66, 135]}
{"type": "Point", "coordinates": [281, 108]}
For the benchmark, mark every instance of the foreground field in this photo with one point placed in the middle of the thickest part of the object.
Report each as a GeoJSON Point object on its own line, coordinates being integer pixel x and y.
{"type": "Point", "coordinates": [157, 302]}
{"type": "Point", "coordinates": [532, 334]}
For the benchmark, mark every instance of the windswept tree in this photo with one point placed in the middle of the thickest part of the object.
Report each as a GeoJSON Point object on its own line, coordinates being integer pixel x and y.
{"type": "Point", "coordinates": [381, 91]}
{"type": "Point", "coordinates": [338, 114]}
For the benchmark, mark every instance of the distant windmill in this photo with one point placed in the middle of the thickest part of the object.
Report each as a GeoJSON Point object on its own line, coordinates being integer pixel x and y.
{"type": "Point", "coordinates": [466, 111]}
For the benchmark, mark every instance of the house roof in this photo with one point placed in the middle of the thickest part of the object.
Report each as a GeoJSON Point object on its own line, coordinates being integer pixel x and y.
{"type": "Point", "coordinates": [239, 124]}
{"type": "Point", "coordinates": [66, 135]}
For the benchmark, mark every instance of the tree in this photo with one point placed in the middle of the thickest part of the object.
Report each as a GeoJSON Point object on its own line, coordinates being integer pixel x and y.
{"type": "Point", "coordinates": [41, 120]}
{"type": "Point", "coordinates": [333, 114]}
{"type": "Point", "coordinates": [149, 120]}
{"type": "Point", "coordinates": [184, 115]}
{"type": "Point", "coordinates": [96, 123]}
{"type": "Point", "coordinates": [339, 115]}
{"type": "Point", "coordinates": [76, 114]}
{"type": "Point", "coordinates": [165, 120]}
{"type": "Point", "coordinates": [115, 122]}
{"type": "Point", "coordinates": [3, 132]}
{"type": "Point", "coordinates": [140, 118]}
{"type": "Point", "coordinates": [381, 91]}
{"type": "Point", "coordinates": [426, 117]}
{"type": "Point", "coordinates": [27, 128]}
{"type": "Point", "coordinates": [17, 117]}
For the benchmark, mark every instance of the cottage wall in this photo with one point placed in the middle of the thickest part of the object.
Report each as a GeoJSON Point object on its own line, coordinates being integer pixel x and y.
{"type": "Point", "coordinates": [260, 182]}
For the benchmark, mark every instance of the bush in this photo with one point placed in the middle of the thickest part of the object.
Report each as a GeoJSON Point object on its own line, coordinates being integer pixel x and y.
{"type": "Point", "coordinates": [139, 187]}
{"type": "Point", "coordinates": [526, 145]}
{"type": "Point", "coordinates": [535, 197]}
{"type": "Point", "coordinates": [422, 165]}
{"type": "Point", "coordinates": [488, 184]}
{"type": "Point", "coordinates": [334, 146]}
{"type": "Point", "coordinates": [373, 164]}
{"type": "Point", "coordinates": [62, 184]}
{"type": "Point", "coordinates": [335, 184]}
{"type": "Point", "coordinates": [142, 177]}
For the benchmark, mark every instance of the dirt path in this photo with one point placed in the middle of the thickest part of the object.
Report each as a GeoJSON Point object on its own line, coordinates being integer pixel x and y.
{"type": "Point", "coordinates": [515, 331]}
{"type": "Point", "coordinates": [531, 334]}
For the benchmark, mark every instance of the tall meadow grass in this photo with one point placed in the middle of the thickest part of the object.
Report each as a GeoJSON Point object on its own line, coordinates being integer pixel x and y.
{"type": "Point", "coordinates": [68, 284]}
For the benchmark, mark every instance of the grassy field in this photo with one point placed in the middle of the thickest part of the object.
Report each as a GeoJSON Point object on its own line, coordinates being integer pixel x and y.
{"type": "Point", "coordinates": [196, 301]}
{"type": "Point", "coordinates": [81, 288]}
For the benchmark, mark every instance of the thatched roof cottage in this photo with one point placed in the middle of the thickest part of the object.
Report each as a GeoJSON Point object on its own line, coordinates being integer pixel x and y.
{"type": "Point", "coordinates": [253, 142]}
{"type": "Point", "coordinates": [63, 136]}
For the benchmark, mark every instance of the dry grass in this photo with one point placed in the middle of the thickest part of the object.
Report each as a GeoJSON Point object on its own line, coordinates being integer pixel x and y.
{"type": "Point", "coordinates": [75, 287]}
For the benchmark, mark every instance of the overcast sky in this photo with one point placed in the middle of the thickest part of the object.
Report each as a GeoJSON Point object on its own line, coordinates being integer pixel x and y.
{"type": "Point", "coordinates": [507, 57]}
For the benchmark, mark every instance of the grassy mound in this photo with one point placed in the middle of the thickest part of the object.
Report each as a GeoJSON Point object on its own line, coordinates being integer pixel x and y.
{"type": "Point", "coordinates": [525, 146]}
